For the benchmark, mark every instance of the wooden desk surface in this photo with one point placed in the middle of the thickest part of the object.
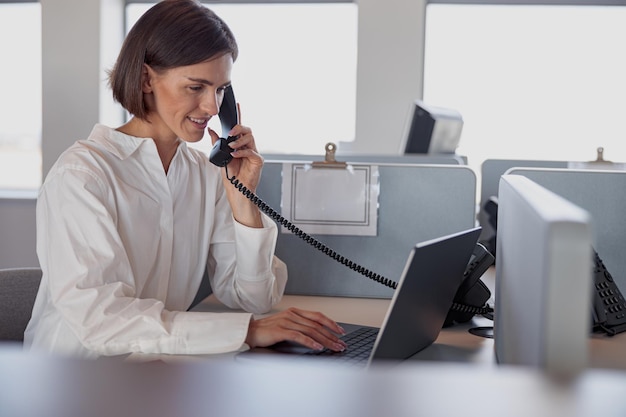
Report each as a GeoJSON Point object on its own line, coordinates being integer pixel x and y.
{"type": "Point", "coordinates": [454, 344]}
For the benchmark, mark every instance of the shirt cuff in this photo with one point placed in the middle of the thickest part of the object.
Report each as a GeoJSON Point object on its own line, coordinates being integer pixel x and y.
{"type": "Point", "coordinates": [255, 249]}
{"type": "Point", "coordinates": [208, 333]}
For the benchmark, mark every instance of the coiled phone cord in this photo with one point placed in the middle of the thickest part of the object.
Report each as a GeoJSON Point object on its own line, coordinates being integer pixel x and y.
{"type": "Point", "coordinates": [307, 238]}
{"type": "Point", "coordinates": [464, 308]}
{"type": "Point", "coordinates": [484, 310]}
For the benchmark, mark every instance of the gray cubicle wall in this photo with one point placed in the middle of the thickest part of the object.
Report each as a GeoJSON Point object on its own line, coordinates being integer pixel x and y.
{"type": "Point", "coordinates": [603, 195]}
{"type": "Point", "coordinates": [17, 231]}
{"type": "Point", "coordinates": [491, 171]}
{"type": "Point", "coordinates": [435, 158]}
{"type": "Point", "coordinates": [416, 203]}
{"type": "Point", "coordinates": [431, 159]}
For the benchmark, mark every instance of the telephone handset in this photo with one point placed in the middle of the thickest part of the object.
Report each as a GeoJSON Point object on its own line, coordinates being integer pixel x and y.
{"type": "Point", "coordinates": [467, 302]}
{"type": "Point", "coordinates": [229, 117]}
{"type": "Point", "coordinates": [609, 306]}
{"type": "Point", "coordinates": [472, 296]}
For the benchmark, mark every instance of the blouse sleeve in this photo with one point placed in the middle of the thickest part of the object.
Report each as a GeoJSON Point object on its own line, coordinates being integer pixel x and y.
{"type": "Point", "coordinates": [243, 269]}
{"type": "Point", "coordinates": [90, 283]}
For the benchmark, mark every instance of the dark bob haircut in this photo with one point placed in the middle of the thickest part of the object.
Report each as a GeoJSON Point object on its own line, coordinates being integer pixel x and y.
{"type": "Point", "coordinates": [172, 33]}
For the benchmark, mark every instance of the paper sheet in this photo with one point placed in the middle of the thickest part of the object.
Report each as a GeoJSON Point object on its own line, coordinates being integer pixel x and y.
{"type": "Point", "coordinates": [331, 201]}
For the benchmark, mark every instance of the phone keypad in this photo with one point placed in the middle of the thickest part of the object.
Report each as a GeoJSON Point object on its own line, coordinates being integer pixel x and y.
{"type": "Point", "coordinates": [612, 300]}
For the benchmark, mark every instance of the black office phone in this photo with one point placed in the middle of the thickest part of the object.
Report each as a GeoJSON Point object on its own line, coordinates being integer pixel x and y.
{"type": "Point", "coordinates": [609, 306]}
{"type": "Point", "coordinates": [472, 296]}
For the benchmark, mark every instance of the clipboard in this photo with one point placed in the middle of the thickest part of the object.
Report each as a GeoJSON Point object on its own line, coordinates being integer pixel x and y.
{"type": "Point", "coordinates": [599, 163]}
{"type": "Point", "coordinates": [330, 197]}
{"type": "Point", "coordinates": [416, 202]}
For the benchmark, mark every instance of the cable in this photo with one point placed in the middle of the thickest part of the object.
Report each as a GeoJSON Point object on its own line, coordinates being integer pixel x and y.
{"type": "Point", "coordinates": [307, 238]}
{"type": "Point", "coordinates": [464, 308]}
{"type": "Point", "coordinates": [328, 251]}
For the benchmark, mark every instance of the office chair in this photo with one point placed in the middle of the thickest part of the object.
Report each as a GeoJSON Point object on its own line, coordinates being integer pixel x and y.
{"type": "Point", "coordinates": [18, 288]}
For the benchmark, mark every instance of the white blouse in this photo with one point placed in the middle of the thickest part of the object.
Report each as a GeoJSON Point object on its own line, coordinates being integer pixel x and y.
{"type": "Point", "coordinates": [123, 247]}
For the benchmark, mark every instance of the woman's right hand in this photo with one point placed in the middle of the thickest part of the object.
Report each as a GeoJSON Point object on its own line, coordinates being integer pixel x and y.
{"type": "Point", "coordinates": [308, 328]}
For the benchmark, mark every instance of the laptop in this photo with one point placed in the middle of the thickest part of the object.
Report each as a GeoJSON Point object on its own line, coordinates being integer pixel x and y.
{"type": "Point", "coordinates": [416, 313]}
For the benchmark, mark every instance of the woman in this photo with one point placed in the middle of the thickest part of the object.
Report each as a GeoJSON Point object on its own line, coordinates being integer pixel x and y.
{"type": "Point", "coordinates": [128, 220]}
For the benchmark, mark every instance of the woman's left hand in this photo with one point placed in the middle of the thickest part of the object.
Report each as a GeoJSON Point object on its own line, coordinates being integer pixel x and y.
{"type": "Point", "coordinates": [246, 166]}
{"type": "Point", "coordinates": [247, 163]}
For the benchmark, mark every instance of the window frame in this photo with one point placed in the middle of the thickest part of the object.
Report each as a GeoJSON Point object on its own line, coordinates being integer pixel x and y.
{"type": "Point", "coordinates": [534, 2]}
{"type": "Point", "coordinates": [252, 1]}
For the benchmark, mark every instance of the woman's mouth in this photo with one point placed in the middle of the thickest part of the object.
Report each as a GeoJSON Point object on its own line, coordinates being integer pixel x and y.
{"type": "Point", "coordinates": [200, 123]}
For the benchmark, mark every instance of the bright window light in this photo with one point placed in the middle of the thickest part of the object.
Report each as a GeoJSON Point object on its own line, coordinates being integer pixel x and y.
{"type": "Point", "coordinates": [532, 82]}
{"type": "Point", "coordinates": [295, 77]}
{"type": "Point", "coordinates": [20, 100]}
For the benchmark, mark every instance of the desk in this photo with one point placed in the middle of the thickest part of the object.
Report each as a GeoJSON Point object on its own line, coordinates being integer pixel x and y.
{"type": "Point", "coordinates": [454, 344]}
{"type": "Point", "coordinates": [35, 386]}
{"type": "Point", "coordinates": [454, 376]}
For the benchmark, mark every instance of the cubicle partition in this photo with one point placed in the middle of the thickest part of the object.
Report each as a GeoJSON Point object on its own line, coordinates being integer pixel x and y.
{"type": "Point", "coordinates": [491, 171]}
{"type": "Point", "coordinates": [416, 202]}
{"type": "Point", "coordinates": [543, 278]}
{"type": "Point", "coordinates": [430, 159]}
{"type": "Point", "coordinates": [603, 195]}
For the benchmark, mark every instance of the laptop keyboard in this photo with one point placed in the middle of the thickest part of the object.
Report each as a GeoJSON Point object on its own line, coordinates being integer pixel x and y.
{"type": "Point", "coordinates": [360, 344]}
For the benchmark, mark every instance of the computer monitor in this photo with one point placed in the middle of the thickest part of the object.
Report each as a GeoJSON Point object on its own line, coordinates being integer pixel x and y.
{"type": "Point", "coordinates": [543, 278]}
{"type": "Point", "coordinates": [431, 130]}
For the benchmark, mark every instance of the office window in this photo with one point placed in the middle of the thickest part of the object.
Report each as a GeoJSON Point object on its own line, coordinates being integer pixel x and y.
{"type": "Point", "coordinates": [532, 82]}
{"type": "Point", "coordinates": [295, 77]}
{"type": "Point", "coordinates": [20, 100]}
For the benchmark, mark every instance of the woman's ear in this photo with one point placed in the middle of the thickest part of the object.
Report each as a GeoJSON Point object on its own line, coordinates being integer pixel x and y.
{"type": "Point", "coordinates": [147, 75]}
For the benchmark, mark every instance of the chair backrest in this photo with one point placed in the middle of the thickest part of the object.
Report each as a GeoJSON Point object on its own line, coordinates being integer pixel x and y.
{"type": "Point", "coordinates": [18, 289]}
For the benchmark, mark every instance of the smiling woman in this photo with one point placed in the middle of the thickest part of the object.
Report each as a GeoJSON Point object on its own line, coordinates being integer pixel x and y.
{"type": "Point", "coordinates": [130, 219]}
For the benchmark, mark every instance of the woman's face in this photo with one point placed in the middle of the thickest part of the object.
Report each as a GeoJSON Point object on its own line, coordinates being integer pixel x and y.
{"type": "Point", "coordinates": [181, 100]}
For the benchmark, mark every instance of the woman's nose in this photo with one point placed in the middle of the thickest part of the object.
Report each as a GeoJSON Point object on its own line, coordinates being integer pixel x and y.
{"type": "Point", "coordinates": [209, 104]}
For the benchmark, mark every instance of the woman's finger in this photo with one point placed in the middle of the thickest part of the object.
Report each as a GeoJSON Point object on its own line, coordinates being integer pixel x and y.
{"type": "Point", "coordinates": [320, 318]}
{"type": "Point", "coordinates": [213, 135]}
{"type": "Point", "coordinates": [299, 326]}
{"type": "Point", "coordinates": [315, 326]}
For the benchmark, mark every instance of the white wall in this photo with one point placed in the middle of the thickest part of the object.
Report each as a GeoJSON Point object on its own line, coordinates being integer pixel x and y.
{"type": "Point", "coordinates": [81, 39]}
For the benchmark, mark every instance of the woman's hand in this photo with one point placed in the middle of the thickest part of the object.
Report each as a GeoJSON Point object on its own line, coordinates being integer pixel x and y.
{"type": "Point", "coordinates": [308, 328]}
{"type": "Point", "coordinates": [246, 165]}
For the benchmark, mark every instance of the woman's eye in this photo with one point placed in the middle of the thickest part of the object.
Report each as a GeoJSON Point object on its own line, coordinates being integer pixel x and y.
{"type": "Point", "coordinates": [195, 88]}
